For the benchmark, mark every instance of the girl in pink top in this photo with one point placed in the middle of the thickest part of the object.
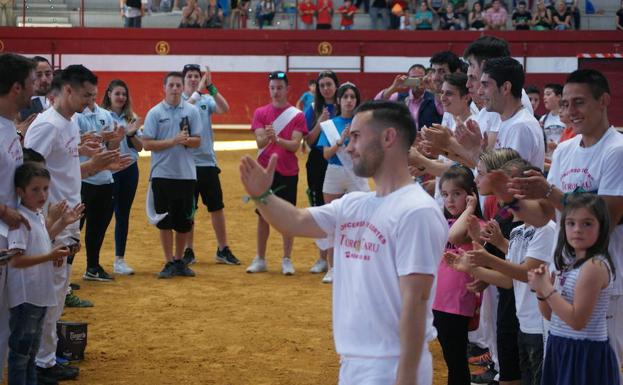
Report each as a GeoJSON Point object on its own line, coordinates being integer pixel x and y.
{"type": "Point", "coordinates": [454, 305]}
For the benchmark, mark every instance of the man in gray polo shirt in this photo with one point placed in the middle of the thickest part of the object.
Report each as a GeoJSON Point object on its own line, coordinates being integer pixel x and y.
{"type": "Point", "coordinates": [172, 129]}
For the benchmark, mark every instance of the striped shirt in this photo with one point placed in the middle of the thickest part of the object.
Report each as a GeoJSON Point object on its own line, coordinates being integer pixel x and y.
{"type": "Point", "coordinates": [596, 329]}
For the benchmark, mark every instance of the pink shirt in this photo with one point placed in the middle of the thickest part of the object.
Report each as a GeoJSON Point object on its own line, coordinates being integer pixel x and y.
{"type": "Point", "coordinates": [412, 103]}
{"type": "Point", "coordinates": [494, 17]}
{"type": "Point", "coordinates": [287, 165]}
{"type": "Point", "coordinates": [451, 295]}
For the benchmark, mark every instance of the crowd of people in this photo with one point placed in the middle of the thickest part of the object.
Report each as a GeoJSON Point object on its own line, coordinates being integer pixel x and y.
{"type": "Point", "coordinates": [487, 227]}
{"type": "Point", "coordinates": [537, 15]}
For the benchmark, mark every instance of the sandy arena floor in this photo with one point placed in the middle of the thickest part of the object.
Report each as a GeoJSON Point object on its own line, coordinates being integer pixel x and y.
{"type": "Point", "coordinates": [223, 326]}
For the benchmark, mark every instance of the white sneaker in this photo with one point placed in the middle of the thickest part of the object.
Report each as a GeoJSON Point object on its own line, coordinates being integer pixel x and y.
{"type": "Point", "coordinates": [320, 266]}
{"type": "Point", "coordinates": [286, 266]}
{"type": "Point", "coordinates": [120, 267]}
{"type": "Point", "coordinates": [328, 278]}
{"type": "Point", "coordinates": [258, 265]}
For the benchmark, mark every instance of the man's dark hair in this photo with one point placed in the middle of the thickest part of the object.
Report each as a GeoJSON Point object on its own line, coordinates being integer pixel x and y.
{"type": "Point", "coordinates": [27, 172]}
{"type": "Point", "coordinates": [311, 82]}
{"type": "Point", "coordinates": [190, 67]}
{"type": "Point", "coordinates": [14, 69]}
{"type": "Point", "coordinates": [506, 69]}
{"type": "Point", "coordinates": [174, 74]}
{"type": "Point", "coordinates": [56, 81]}
{"type": "Point", "coordinates": [555, 87]}
{"type": "Point", "coordinates": [417, 66]}
{"type": "Point", "coordinates": [532, 90]}
{"type": "Point", "coordinates": [41, 59]}
{"type": "Point", "coordinates": [595, 80]}
{"type": "Point", "coordinates": [391, 114]}
{"type": "Point", "coordinates": [31, 155]}
{"type": "Point", "coordinates": [446, 57]}
{"type": "Point", "coordinates": [522, 2]}
{"type": "Point", "coordinates": [76, 75]}
{"type": "Point", "coordinates": [487, 47]}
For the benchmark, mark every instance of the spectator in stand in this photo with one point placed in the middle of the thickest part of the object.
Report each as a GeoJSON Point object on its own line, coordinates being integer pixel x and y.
{"type": "Point", "coordinates": [307, 99]}
{"type": "Point", "coordinates": [132, 12]}
{"type": "Point", "coordinates": [450, 21]}
{"type": "Point", "coordinates": [476, 18]}
{"type": "Point", "coordinates": [534, 94]}
{"type": "Point", "coordinates": [619, 20]}
{"type": "Point", "coordinates": [496, 17]}
{"type": "Point", "coordinates": [6, 7]}
{"type": "Point", "coordinates": [521, 17]}
{"type": "Point", "coordinates": [460, 7]}
{"type": "Point", "coordinates": [348, 15]}
{"type": "Point", "coordinates": [379, 8]}
{"type": "Point", "coordinates": [405, 21]}
{"type": "Point", "coordinates": [266, 13]}
{"type": "Point", "coordinates": [307, 10]}
{"type": "Point", "coordinates": [561, 18]}
{"type": "Point", "coordinates": [239, 15]}
{"type": "Point", "coordinates": [542, 18]}
{"type": "Point", "coordinates": [438, 7]}
{"type": "Point", "coordinates": [192, 15]}
{"type": "Point", "coordinates": [398, 10]}
{"type": "Point", "coordinates": [214, 16]}
{"type": "Point", "coordinates": [423, 17]}
{"type": "Point", "coordinates": [325, 14]}
{"type": "Point", "coordinates": [572, 7]}
{"type": "Point", "coordinates": [366, 5]}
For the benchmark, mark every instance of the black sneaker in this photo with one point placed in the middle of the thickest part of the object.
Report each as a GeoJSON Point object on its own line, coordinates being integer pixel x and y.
{"type": "Point", "coordinates": [474, 350]}
{"type": "Point", "coordinates": [485, 377]}
{"type": "Point", "coordinates": [226, 256]}
{"type": "Point", "coordinates": [58, 373]}
{"type": "Point", "coordinates": [168, 271]}
{"type": "Point", "coordinates": [74, 286]}
{"type": "Point", "coordinates": [182, 269]}
{"type": "Point", "coordinates": [189, 256]}
{"type": "Point", "coordinates": [97, 274]}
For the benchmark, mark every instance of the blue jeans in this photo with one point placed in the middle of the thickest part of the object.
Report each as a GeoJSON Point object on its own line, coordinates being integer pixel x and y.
{"type": "Point", "coordinates": [25, 324]}
{"type": "Point", "coordinates": [375, 12]}
{"type": "Point", "coordinates": [124, 191]}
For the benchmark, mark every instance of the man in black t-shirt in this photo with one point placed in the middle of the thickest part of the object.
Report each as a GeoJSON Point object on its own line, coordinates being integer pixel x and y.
{"type": "Point", "coordinates": [521, 17]}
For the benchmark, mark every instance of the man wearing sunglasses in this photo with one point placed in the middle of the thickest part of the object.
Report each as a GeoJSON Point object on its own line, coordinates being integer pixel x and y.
{"type": "Point", "coordinates": [208, 183]}
{"type": "Point", "coordinates": [279, 128]}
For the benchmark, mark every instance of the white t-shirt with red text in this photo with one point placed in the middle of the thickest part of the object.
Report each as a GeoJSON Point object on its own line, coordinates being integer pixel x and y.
{"type": "Point", "coordinates": [595, 169]}
{"type": "Point", "coordinates": [376, 241]}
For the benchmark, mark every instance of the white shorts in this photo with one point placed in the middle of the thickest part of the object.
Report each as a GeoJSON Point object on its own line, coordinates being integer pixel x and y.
{"type": "Point", "coordinates": [382, 371]}
{"type": "Point", "coordinates": [337, 181]}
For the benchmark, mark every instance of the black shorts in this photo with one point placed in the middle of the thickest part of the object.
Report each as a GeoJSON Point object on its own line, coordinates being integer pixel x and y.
{"type": "Point", "coordinates": [175, 197]}
{"type": "Point", "coordinates": [288, 191]}
{"type": "Point", "coordinates": [209, 187]}
{"type": "Point", "coordinates": [508, 356]}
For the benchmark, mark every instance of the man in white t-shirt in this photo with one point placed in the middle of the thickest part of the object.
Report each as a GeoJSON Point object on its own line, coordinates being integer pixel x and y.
{"type": "Point", "coordinates": [56, 136]}
{"type": "Point", "coordinates": [591, 161]}
{"type": "Point", "coordinates": [501, 86]}
{"type": "Point", "coordinates": [16, 88]}
{"type": "Point", "coordinates": [387, 245]}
